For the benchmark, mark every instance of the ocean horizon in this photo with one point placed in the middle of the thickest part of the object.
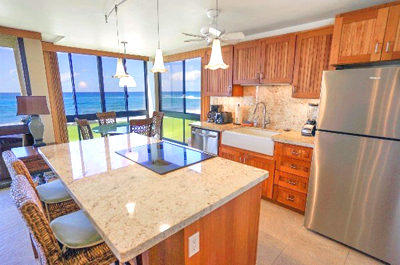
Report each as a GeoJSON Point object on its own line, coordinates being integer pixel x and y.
{"type": "Point", "coordinates": [89, 102]}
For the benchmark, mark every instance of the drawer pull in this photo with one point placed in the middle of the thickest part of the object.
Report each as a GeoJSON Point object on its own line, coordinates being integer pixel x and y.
{"type": "Point", "coordinates": [295, 153]}
{"type": "Point", "coordinates": [293, 166]}
{"type": "Point", "coordinates": [290, 198]}
{"type": "Point", "coordinates": [291, 182]}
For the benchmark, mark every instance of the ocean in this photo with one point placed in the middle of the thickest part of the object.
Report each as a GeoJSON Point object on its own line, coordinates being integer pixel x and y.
{"type": "Point", "coordinates": [90, 103]}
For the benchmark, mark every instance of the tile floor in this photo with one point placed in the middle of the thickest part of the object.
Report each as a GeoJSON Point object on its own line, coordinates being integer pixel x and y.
{"type": "Point", "coordinates": [282, 239]}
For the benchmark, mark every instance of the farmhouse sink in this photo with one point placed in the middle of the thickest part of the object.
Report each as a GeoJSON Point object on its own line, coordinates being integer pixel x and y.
{"type": "Point", "coordinates": [251, 139]}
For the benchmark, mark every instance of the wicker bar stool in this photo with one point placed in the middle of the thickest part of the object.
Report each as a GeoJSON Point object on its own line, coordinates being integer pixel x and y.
{"type": "Point", "coordinates": [84, 129]}
{"type": "Point", "coordinates": [107, 117]}
{"type": "Point", "coordinates": [157, 124]}
{"type": "Point", "coordinates": [70, 239]}
{"type": "Point", "coordinates": [141, 126]}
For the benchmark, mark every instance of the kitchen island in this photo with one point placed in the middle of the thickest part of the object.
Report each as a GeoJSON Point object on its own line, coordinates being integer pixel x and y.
{"type": "Point", "coordinates": [138, 211]}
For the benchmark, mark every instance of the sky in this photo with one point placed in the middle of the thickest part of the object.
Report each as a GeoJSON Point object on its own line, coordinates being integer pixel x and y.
{"type": "Point", "coordinates": [86, 74]}
{"type": "Point", "coordinates": [9, 82]}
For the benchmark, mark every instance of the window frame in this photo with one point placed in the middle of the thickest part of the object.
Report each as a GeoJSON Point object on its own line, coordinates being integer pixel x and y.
{"type": "Point", "coordinates": [120, 114]}
{"type": "Point", "coordinates": [178, 114]}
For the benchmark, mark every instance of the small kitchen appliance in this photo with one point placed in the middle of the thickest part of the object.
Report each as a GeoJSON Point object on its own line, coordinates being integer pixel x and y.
{"type": "Point", "coordinates": [310, 126]}
{"type": "Point", "coordinates": [214, 109]}
{"type": "Point", "coordinates": [223, 117]}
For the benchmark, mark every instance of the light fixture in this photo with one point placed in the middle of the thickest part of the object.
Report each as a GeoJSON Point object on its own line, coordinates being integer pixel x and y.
{"type": "Point", "coordinates": [216, 60]}
{"type": "Point", "coordinates": [126, 80]}
{"type": "Point", "coordinates": [159, 60]}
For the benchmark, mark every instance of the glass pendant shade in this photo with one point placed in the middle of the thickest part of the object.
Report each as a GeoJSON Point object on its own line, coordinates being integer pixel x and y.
{"type": "Point", "coordinates": [127, 81]}
{"type": "Point", "coordinates": [216, 61]}
{"type": "Point", "coordinates": [158, 63]}
{"type": "Point", "coordinates": [120, 69]}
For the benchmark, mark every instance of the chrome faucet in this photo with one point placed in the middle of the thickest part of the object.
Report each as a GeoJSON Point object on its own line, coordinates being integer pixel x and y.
{"type": "Point", "coordinates": [265, 120]}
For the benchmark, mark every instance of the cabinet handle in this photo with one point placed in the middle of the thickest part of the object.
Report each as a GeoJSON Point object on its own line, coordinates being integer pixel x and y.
{"type": "Point", "coordinates": [295, 153]}
{"type": "Point", "coordinates": [258, 76]}
{"type": "Point", "coordinates": [293, 166]}
{"type": "Point", "coordinates": [291, 182]}
{"type": "Point", "coordinates": [387, 46]}
{"type": "Point", "coordinates": [290, 198]}
{"type": "Point", "coordinates": [376, 47]}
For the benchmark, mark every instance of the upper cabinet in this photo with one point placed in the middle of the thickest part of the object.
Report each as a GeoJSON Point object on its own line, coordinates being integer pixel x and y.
{"type": "Point", "coordinates": [219, 82]}
{"type": "Point", "coordinates": [277, 59]}
{"type": "Point", "coordinates": [367, 35]}
{"type": "Point", "coordinates": [246, 67]}
{"type": "Point", "coordinates": [265, 61]}
{"type": "Point", "coordinates": [312, 58]}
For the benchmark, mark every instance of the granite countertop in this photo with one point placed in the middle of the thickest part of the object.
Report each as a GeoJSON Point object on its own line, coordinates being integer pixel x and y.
{"type": "Point", "coordinates": [134, 208]}
{"type": "Point", "coordinates": [287, 137]}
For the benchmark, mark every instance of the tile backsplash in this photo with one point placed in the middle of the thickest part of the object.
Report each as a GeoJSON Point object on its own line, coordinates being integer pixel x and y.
{"type": "Point", "coordinates": [284, 111]}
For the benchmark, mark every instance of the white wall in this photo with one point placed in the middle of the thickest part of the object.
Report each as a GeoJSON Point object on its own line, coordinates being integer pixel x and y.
{"type": "Point", "coordinates": [37, 75]}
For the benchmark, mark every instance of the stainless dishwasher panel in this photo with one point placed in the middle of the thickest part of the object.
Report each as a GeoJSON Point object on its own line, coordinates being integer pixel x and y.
{"type": "Point", "coordinates": [205, 140]}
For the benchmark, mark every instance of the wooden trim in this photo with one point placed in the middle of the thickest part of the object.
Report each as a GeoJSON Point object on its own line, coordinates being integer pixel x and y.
{"type": "Point", "coordinates": [205, 100]}
{"type": "Point", "coordinates": [185, 55]}
{"type": "Point", "coordinates": [336, 37]}
{"type": "Point", "coordinates": [369, 8]}
{"type": "Point", "coordinates": [14, 129]}
{"type": "Point", "coordinates": [390, 35]}
{"type": "Point", "coordinates": [50, 47]}
{"type": "Point", "coordinates": [21, 33]}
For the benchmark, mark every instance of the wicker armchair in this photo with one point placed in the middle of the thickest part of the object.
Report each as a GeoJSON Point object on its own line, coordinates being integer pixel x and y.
{"type": "Point", "coordinates": [43, 236]}
{"type": "Point", "coordinates": [157, 124]}
{"type": "Point", "coordinates": [55, 198]}
{"type": "Point", "coordinates": [84, 128]}
{"type": "Point", "coordinates": [107, 117]}
{"type": "Point", "coordinates": [141, 126]}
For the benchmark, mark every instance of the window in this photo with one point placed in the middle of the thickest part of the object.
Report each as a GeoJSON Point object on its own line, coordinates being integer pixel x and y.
{"type": "Point", "coordinates": [180, 95]}
{"type": "Point", "coordinates": [9, 87]}
{"type": "Point", "coordinates": [88, 88]}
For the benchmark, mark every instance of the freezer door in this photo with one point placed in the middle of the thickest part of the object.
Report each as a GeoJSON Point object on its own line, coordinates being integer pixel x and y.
{"type": "Point", "coordinates": [361, 101]}
{"type": "Point", "coordinates": [354, 193]}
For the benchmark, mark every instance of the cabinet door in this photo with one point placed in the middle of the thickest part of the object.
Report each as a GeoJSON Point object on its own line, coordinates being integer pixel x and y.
{"type": "Point", "coordinates": [230, 153]}
{"type": "Point", "coordinates": [358, 36]}
{"type": "Point", "coordinates": [312, 58]}
{"type": "Point", "coordinates": [219, 82]}
{"type": "Point", "coordinates": [277, 59]}
{"type": "Point", "coordinates": [247, 63]}
{"type": "Point", "coordinates": [266, 163]}
{"type": "Point", "coordinates": [391, 45]}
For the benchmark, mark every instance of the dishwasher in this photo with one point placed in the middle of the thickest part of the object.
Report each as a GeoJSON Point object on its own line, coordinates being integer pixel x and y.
{"type": "Point", "coordinates": [205, 140]}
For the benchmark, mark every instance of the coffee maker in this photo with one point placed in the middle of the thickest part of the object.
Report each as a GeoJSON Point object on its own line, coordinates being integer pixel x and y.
{"type": "Point", "coordinates": [214, 109]}
{"type": "Point", "coordinates": [311, 124]}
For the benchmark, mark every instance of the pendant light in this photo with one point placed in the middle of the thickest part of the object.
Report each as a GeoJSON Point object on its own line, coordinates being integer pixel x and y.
{"type": "Point", "coordinates": [126, 80]}
{"type": "Point", "coordinates": [216, 61]}
{"type": "Point", "coordinates": [159, 60]}
{"type": "Point", "coordinates": [120, 72]}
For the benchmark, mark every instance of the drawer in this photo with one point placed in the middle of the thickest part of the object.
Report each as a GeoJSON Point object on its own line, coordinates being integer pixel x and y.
{"type": "Point", "coordinates": [295, 151]}
{"type": "Point", "coordinates": [290, 181]}
{"type": "Point", "coordinates": [290, 198]}
{"type": "Point", "coordinates": [293, 166]}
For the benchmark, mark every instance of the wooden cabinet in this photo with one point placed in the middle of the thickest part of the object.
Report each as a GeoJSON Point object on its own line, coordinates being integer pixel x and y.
{"type": "Point", "coordinates": [312, 58]}
{"type": "Point", "coordinates": [293, 164]}
{"type": "Point", "coordinates": [277, 59]}
{"type": "Point", "coordinates": [219, 82]}
{"type": "Point", "coordinates": [246, 66]}
{"type": "Point", "coordinates": [367, 35]}
{"type": "Point", "coordinates": [391, 44]}
{"type": "Point", "coordinates": [265, 61]}
{"type": "Point", "coordinates": [255, 160]}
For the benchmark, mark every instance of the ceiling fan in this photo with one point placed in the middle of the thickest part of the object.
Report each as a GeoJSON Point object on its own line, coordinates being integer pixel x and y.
{"type": "Point", "coordinates": [213, 30]}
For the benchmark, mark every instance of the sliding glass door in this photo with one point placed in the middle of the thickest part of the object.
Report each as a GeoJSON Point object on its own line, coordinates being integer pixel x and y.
{"type": "Point", "coordinates": [88, 88]}
{"type": "Point", "coordinates": [180, 97]}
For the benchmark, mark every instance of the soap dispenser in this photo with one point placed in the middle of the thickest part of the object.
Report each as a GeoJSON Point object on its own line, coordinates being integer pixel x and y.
{"type": "Point", "coordinates": [238, 115]}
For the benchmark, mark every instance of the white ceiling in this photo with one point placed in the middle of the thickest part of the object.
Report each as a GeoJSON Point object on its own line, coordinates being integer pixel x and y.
{"type": "Point", "coordinates": [82, 23]}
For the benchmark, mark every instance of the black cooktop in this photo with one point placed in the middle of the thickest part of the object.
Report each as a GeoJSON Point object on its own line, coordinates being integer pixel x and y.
{"type": "Point", "coordinates": [164, 157]}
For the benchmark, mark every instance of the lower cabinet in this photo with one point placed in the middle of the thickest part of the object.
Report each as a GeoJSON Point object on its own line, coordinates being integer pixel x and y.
{"type": "Point", "coordinates": [255, 160]}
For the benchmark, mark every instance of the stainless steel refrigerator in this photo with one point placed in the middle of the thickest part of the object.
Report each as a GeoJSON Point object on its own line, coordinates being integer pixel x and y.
{"type": "Point", "coordinates": [354, 190]}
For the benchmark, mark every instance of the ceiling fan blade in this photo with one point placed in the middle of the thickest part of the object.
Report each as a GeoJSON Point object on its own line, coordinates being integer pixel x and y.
{"type": "Point", "coordinates": [191, 40]}
{"type": "Point", "coordinates": [233, 35]}
{"type": "Point", "coordinates": [193, 35]}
